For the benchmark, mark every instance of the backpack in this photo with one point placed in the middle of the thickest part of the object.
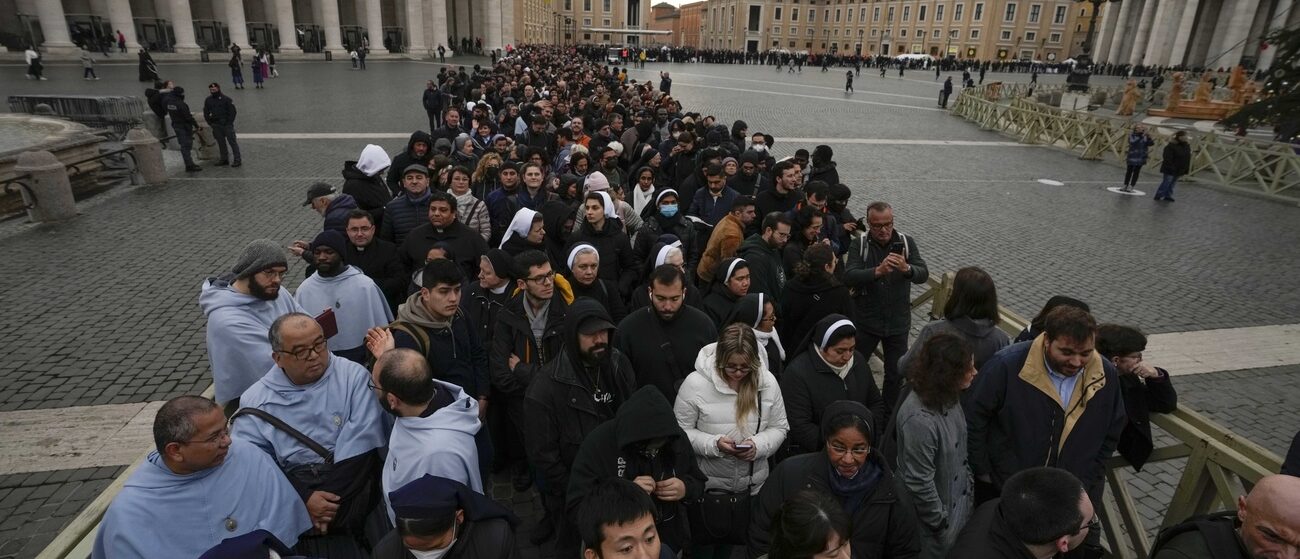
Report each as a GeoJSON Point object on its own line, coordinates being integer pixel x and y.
{"type": "Point", "coordinates": [1218, 529]}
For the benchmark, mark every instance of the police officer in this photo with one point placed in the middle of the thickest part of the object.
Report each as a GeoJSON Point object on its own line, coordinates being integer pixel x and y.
{"type": "Point", "coordinates": [219, 112]}
{"type": "Point", "coordinates": [184, 125]}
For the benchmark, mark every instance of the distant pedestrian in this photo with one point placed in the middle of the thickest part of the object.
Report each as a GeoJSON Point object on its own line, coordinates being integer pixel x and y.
{"type": "Point", "coordinates": [945, 92]}
{"type": "Point", "coordinates": [355, 58]}
{"type": "Point", "coordinates": [236, 71]}
{"type": "Point", "coordinates": [848, 82]}
{"type": "Point", "coordinates": [1033, 76]}
{"type": "Point", "coordinates": [258, 69]}
{"type": "Point", "coordinates": [87, 65]}
{"type": "Point", "coordinates": [148, 69]}
{"type": "Point", "coordinates": [121, 41]}
{"type": "Point", "coordinates": [442, 54]}
{"type": "Point", "coordinates": [1177, 161]}
{"type": "Point", "coordinates": [936, 72]}
{"type": "Point", "coordinates": [900, 70]}
{"type": "Point", "coordinates": [361, 57]}
{"type": "Point", "coordinates": [982, 70]}
{"type": "Point", "coordinates": [34, 66]}
{"type": "Point", "coordinates": [1139, 145]}
{"type": "Point", "coordinates": [270, 60]}
{"type": "Point", "coordinates": [184, 125]}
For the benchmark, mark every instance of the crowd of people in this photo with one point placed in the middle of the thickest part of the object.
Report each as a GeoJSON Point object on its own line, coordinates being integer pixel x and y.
{"type": "Point", "coordinates": [638, 311]}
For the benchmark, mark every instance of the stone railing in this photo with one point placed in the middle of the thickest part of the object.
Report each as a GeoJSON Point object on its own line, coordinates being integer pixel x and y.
{"type": "Point", "coordinates": [1257, 167]}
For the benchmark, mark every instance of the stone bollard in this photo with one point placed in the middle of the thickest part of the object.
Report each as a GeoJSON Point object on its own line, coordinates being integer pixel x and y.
{"type": "Point", "coordinates": [50, 198]}
{"type": "Point", "coordinates": [205, 145]}
{"type": "Point", "coordinates": [148, 155]}
{"type": "Point", "coordinates": [156, 125]}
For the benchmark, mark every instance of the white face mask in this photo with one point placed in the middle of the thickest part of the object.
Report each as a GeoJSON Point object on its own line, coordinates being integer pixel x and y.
{"type": "Point", "coordinates": [437, 553]}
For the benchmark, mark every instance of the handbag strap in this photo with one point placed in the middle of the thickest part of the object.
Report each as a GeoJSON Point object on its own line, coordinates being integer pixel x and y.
{"type": "Point", "coordinates": [282, 426]}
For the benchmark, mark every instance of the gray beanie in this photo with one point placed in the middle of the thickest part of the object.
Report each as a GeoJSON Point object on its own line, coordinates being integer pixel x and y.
{"type": "Point", "coordinates": [257, 256]}
{"type": "Point", "coordinates": [460, 141]}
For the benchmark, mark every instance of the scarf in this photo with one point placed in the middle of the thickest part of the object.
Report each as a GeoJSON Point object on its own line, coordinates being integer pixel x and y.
{"type": "Point", "coordinates": [413, 311]}
{"type": "Point", "coordinates": [842, 372]}
{"type": "Point", "coordinates": [764, 338]}
{"type": "Point", "coordinates": [852, 492]}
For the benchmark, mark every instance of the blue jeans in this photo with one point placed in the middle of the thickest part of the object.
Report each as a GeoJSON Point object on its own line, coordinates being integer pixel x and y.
{"type": "Point", "coordinates": [1166, 189]}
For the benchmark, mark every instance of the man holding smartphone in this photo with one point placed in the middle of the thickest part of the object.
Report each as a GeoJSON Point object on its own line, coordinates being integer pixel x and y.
{"type": "Point", "coordinates": [882, 266]}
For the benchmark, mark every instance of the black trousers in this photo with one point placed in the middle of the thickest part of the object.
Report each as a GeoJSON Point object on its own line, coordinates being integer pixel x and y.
{"type": "Point", "coordinates": [224, 134]}
{"type": "Point", "coordinates": [185, 137]}
{"type": "Point", "coordinates": [894, 348]}
{"type": "Point", "coordinates": [1131, 175]}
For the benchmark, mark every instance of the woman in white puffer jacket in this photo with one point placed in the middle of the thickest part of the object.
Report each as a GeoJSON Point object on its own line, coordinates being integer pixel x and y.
{"type": "Point", "coordinates": [732, 411]}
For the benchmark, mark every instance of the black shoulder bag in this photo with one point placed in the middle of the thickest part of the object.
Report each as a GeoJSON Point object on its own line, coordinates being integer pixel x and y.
{"type": "Point", "coordinates": [356, 500]}
{"type": "Point", "coordinates": [721, 516]}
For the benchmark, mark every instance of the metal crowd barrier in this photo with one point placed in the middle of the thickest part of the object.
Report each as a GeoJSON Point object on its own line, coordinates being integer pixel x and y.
{"type": "Point", "coordinates": [115, 113]}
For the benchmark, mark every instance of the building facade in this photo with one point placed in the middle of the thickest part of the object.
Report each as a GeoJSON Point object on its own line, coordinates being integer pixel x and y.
{"type": "Point", "coordinates": [417, 27]}
{"type": "Point", "coordinates": [684, 23]}
{"type": "Point", "coordinates": [1194, 33]}
{"type": "Point", "coordinates": [619, 22]}
{"type": "Point", "coordinates": [1045, 30]}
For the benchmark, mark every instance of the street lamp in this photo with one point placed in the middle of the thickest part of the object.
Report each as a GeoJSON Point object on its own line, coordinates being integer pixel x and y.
{"type": "Point", "coordinates": [1082, 70]}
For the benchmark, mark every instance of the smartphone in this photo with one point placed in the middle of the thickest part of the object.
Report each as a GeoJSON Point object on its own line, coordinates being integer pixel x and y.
{"type": "Point", "coordinates": [328, 323]}
{"type": "Point", "coordinates": [896, 247]}
{"type": "Point", "coordinates": [743, 446]}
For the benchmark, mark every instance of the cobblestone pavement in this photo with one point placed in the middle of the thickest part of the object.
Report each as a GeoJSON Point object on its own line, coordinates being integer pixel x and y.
{"type": "Point", "coordinates": [103, 309]}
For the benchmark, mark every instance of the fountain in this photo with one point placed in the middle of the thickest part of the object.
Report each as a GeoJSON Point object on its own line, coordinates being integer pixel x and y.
{"type": "Point", "coordinates": [68, 141]}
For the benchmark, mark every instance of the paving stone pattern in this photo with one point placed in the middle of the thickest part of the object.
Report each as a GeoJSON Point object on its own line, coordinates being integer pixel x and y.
{"type": "Point", "coordinates": [103, 309]}
{"type": "Point", "coordinates": [34, 508]}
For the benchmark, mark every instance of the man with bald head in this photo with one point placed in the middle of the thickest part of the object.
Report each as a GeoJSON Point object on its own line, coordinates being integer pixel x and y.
{"type": "Point", "coordinates": [436, 423]}
{"type": "Point", "coordinates": [1265, 526]}
{"type": "Point", "coordinates": [310, 393]}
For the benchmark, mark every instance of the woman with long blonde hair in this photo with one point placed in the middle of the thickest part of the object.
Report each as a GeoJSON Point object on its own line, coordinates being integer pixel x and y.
{"type": "Point", "coordinates": [731, 410]}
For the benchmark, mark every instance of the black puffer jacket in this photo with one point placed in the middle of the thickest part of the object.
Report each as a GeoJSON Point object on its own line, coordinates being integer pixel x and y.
{"type": "Point", "coordinates": [808, 300]}
{"type": "Point", "coordinates": [884, 522]}
{"type": "Point", "coordinates": [615, 449]}
{"type": "Point", "coordinates": [617, 261]}
{"type": "Point", "coordinates": [402, 160]}
{"type": "Point", "coordinates": [809, 385]}
{"type": "Point", "coordinates": [402, 214]}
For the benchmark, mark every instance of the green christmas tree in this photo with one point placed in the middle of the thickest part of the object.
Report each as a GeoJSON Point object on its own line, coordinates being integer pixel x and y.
{"type": "Point", "coordinates": [1279, 100]}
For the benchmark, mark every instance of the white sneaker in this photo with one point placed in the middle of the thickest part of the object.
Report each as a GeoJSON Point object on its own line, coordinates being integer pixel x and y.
{"type": "Point", "coordinates": [43, 78]}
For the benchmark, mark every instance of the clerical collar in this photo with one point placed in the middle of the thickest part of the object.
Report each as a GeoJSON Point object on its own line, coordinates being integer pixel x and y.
{"type": "Point", "coordinates": [499, 290]}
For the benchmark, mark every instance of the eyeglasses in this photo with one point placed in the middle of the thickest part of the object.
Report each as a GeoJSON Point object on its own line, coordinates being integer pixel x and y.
{"type": "Point", "coordinates": [371, 385]}
{"type": "Point", "coordinates": [881, 225]}
{"type": "Point", "coordinates": [273, 274]}
{"type": "Point", "coordinates": [548, 277]}
{"type": "Point", "coordinates": [307, 352]}
{"type": "Point", "coordinates": [733, 369]}
{"type": "Point", "coordinates": [1092, 525]}
{"type": "Point", "coordinates": [857, 451]}
{"type": "Point", "coordinates": [215, 438]}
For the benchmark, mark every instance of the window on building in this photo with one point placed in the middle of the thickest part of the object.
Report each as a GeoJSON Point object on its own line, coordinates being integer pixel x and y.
{"type": "Point", "coordinates": [606, 22]}
{"type": "Point", "coordinates": [1006, 35]}
{"type": "Point", "coordinates": [1035, 12]}
{"type": "Point", "coordinates": [1078, 28]}
{"type": "Point", "coordinates": [875, 13]}
{"type": "Point", "coordinates": [776, 31]}
{"type": "Point", "coordinates": [920, 13]}
{"type": "Point", "coordinates": [586, 5]}
{"type": "Point", "coordinates": [826, 17]}
{"type": "Point", "coordinates": [938, 12]}
{"type": "Point", "coordinates": [1031, 36]}
{"type": "Point", "coordinates": [755, 18]}
{"type": "Point", "coordinates": [568, 5]}
{"type": "Point", "coordinates": [974, 33]}
{"type": "Point", "coordinates": [957, 11]}
{"type": "Point", "coordinates": [810, 32]}
{"type": "Point", "coordinates": [776, 44]}
{"type": "Point", "coordinates": [794, 14]}
{"type": "Point", "coordinates": [952, 34]}
{"type": "Point", "coordinates": [848, 16]}
{"type": "Point", "coordinates": [1054, 38]}
{"type": "Point", "coordinates": [889, 16]}
{"type": "Point", "coordinates": [979, 12]}
{"type": "Point", "coordinates": [586, 22]}
{"type": "Point", "coordinates": [907, 13]}
{"type": "Point", "coordinates": [862, 14]}
{"type": "Point", "coordinates": [902, 32]}
{"type": "Point", "coordinates": [776, 14]}
{"type": "Point", "coordinates": [608, 5]}
{"type": "Point", "coordinates": [791, 43]}
{"type": "Point", "coordinates": [935, 34]}
{"type": "Point", "coordinates": [812, 15]}
{"type": "Point", "coordinates": [1059, 18]}
{"type": "Point", "coordinates": [605, 38]}
{"type": "Point", "coordinates": [586, 36]}
{"type": "Point", "coordinates": [1010, 14]}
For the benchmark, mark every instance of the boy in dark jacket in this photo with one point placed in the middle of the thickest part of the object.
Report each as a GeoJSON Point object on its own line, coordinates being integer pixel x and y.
{"type": "Point", "coordinates": [1146, 389]}
{"type": "Point", "coordinates": [1177, 161]}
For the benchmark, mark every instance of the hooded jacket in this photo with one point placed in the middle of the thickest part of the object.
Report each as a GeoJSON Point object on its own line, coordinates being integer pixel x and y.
{"type": "Point", "coordinates": [559, 406]}
{"type": "Point", "coordinates": [884, 524]}
{"type": "Point", "coordinates": [981, 334]}
{"type": "Point", "coordinates": [336, 213]}
{"type": "Point", "coordinates": [1016, 420]}
{"type": "Point", "coordinates": [988, 535]}
{"type": "Point", "coordinates": [719, 303]}
{"type": "Point", "coordinates": [615, 449]}
{"type": "Point", "coordinates": [766, 270]}
{"type": "Point", "coordinates": [238, 350]}
{"type": "Point", "coordinates": [706, 411]}
{"type": "Point", "coordinates": [402, 160]}
{"type": "Point", "coordinates": [362, 182]}
{"type": "Point", "coordinates": [662, 354]}
{"type": "Point", "coordinates": [442, 444]}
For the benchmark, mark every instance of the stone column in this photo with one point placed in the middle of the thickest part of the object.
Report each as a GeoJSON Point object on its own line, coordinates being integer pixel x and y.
{"type": "Point", "coordinates": [1178, 52]}
{"type": "Point", "coordinates": [119, 15]}
{"type": "Point", "coordinates": [462, 20]}
{"type": "Point", "coordinates": [329, 10]}
{"type": "Point", "coordinates": [1284, 8]}
{"type": "Point", "coordinates": [1161, 27]}
{"type": "Point", "coordinates": [182, 25]}
{"type": "Point", "coordinates": [1115, 53]}
{"type": "Point", "coordinates": [237, 23]}
{"type": "Point", "coordinates": [492, 38]}
{"type": "Point", "coordinates": [1233, 35]}
{"type": "Point", "coordinates": [374, 24]}
{"type": "Point", "coordinates": [439, 32]}
{"type": "Point", "coordinates": [288, 29]}
{"type": "Point", "coordinates": [415, 45]}
{"type": "Point", "coordinates": [54, 27]}
{"type": "Point", "coordinates": [1143, 31]}
{"type": "Point", "coordinates": [508, 23]}
{"type": "Point", "coordinates": [1101, 42]}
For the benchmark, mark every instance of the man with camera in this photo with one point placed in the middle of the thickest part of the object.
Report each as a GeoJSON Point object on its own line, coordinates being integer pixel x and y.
{"type": "Point", "coordinates": [882, 266]}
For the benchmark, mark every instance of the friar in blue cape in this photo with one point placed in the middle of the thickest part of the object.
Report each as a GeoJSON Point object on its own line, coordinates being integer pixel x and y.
{"type": "Point", "coordinates": [327, 399]}
{"type": "Point", "coordinates": [197, 489]}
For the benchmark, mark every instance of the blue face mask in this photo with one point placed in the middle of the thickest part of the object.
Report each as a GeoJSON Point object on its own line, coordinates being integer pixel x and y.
{"type": "Point", "coordinates": [668, 210]}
